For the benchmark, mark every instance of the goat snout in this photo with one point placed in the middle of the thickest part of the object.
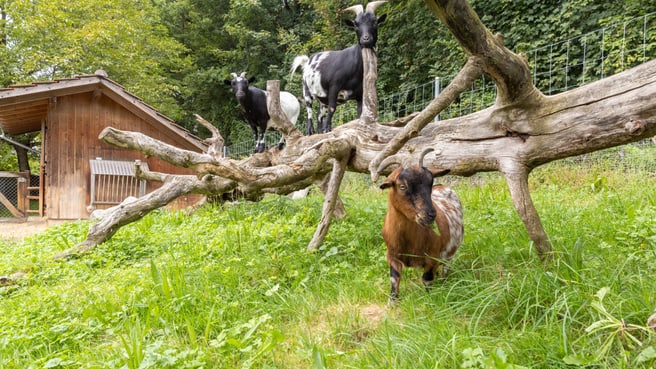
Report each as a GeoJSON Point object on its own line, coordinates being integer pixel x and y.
{"type": "Point", "coordinates": [367, 41]}
{"type": "Point", "coordinates": [426, 218]}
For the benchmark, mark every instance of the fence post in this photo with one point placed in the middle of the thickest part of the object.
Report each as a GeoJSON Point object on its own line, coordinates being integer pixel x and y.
{"type": "Point", "coordinates": [436, 92]}
{"type": "Point", "coordinates": [22, 182]}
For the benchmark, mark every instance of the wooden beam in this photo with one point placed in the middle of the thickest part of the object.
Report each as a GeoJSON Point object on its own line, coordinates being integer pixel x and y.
{"type": "Point", "coordinates": [15, 212]}
{"type": "Point", "coordinates": [25, 93]}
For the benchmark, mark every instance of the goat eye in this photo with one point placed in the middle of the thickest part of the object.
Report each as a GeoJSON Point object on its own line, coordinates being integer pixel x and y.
{"type": "Point", "coordinates": [403, 187]}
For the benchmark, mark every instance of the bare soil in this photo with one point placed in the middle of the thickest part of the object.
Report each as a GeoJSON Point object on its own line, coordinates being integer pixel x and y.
{"type": "Point", "coordinates": [16, 231]}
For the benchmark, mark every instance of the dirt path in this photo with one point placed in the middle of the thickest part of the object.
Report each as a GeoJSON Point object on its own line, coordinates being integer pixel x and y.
{"type": "Point", "coordinates": [16, 231]}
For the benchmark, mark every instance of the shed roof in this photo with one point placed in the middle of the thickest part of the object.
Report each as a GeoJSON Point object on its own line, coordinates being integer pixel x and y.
{"type": "Point", "coordinates": [23, 107]}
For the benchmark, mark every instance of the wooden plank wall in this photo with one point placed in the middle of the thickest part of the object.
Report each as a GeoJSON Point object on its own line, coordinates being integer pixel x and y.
{"type": "Point", "coordinates": [74, 123]}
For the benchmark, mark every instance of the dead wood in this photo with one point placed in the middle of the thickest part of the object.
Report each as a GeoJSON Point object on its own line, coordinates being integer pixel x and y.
{"type": "Point", "coordinates": [330, 201]}
{"type": "Point", "coordinates": [216, 142]}
{"type": "Point", "coordinates": [522, 130]}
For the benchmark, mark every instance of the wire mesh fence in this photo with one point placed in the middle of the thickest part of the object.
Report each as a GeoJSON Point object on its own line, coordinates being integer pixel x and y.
{"type": "Point", "coordinates": [639, 157]}
{"type": "Point", "coordinates": [556, 68]}
{"type": "Point", "coordinates": [579, 60]}
{"type": "Point", "coordinates": [16, 195]}
{"type": "Point", "coordinates": [9, 194]}
{"type": "Point", "coordinates": [635, 159]}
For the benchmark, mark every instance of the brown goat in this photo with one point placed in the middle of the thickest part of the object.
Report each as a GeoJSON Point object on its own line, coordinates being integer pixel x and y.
{"type": "Point", "coordinates": [413, 205]}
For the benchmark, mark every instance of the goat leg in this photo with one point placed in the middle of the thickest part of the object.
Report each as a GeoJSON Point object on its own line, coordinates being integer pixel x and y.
{"type": "Point", "coordinates": [261, 145]}
{"type": "Point", "coordinates": [396, 267]}
{"type": "Point", "coordinates": [443, 269]}
{"type": "Point", "coordinates": [429, 276]}
{"type": "Point", "coordinates": [255, 137]}
{"type": "Point", "coordinates": [321, 118]}
{"type": "Point", "coordinates": [307, 97]}
{"type": "Point", "coordinates": [328, 125]}
{"type": "Point", "coordinates": [395, 281]}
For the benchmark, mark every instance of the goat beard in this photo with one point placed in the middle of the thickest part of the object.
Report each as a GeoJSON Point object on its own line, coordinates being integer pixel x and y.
{"type": "Point", "coordinates": [424, 221]}
{"type": "Point", "coordinates": [431, 224]}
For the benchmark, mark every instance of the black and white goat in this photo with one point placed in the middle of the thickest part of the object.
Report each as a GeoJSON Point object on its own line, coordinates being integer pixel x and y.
{"type": "Point", "coordinates": [334, 77]}
{"type": "Point", "coordinates": [254, 103]}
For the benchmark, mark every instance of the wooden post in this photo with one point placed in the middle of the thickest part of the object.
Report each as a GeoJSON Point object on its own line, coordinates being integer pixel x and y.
{"type": "Point", "coordinates": [22, 203]}
{"type": "Point", "coordinates": [280, 121]}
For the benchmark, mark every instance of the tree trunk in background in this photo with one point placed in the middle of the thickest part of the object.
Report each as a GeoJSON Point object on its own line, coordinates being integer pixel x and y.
{"type": "Point", "coordinates": [26, 140]}
{"type": "Point", "coordinates": [23, 162]}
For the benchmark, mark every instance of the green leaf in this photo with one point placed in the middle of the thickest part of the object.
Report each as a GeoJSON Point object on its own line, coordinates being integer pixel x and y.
{"type": "Point", "coordinates": [647, 354]}
{"type": "Point", "coordinates": [575, 359]}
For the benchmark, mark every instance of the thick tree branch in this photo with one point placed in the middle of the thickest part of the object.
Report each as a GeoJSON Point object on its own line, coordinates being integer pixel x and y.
{"type": "Point", "coordinates": [173, 187]}
{"type": "Point", "coordinates": [216, 142]}
{"type": "Point", "coordinates": [517, 178]}
{"type": "Point", "coordinates": [524, 129]}
{"type": "Point", "coordinates": [330, 201]}
{"type": "Point", "coordinates": [280, 121]}
{"type": "Point", "coordinates": [369, 96]}
{"type": "Point", "coordinates": [509, 71]}
{"type": "Point", "coordinates": [461, 83]}
{"type": "Point", "coordinates": [152, 147]}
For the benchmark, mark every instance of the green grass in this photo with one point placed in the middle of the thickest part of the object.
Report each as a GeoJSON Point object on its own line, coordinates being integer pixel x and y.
{"type": "Point", "coordinates": [234, 287]}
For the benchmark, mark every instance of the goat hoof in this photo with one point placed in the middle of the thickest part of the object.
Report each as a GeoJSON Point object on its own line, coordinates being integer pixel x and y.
{"type": "Point", "coordinates": [392, 303]}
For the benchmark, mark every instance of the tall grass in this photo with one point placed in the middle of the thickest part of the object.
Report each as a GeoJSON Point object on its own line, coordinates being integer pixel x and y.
{"type": "Point", "coordinates": [234, 287]}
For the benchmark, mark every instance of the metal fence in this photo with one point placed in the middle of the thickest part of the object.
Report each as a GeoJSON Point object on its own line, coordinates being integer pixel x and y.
{"type": "Point", "coordinates": [17, 197]}
{"type": "Point", "coordinates": [638, 157]}
{"type": "Point", "coordinates": [579, 60]}
{"type": "Point", "coordinates": [556, 68]}
{"type": "Point", "coordinates": [9, 194]}
{"type": "Point", "coordinates": [112, 181]}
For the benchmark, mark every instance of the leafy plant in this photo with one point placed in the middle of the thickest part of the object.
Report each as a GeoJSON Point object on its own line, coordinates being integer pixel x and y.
{"type": "Point", "coordinates": [233, 286]}
{"type": "Point", "coordinates": [616, 334]}
{"type": "Point", "coordinates": [475, 358]}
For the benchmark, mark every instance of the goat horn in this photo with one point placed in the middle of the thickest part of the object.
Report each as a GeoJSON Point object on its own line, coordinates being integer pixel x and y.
{"type": "Point", "coordinates": [423, 154]}
{"type": "Point", "coordinates": [357, 9]}
{"type": "Point", "coordinates": [394, 159]}
{"type": "Point", "coordinates": [243, 75]}
{"type": "Point", "coordinates": [372, 6]}
{"type": "Point", "coordinates": [233, 75]}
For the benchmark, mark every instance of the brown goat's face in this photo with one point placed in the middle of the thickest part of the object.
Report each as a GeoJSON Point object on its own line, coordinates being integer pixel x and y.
{"type": "Point", "coordinates": [410, 193]}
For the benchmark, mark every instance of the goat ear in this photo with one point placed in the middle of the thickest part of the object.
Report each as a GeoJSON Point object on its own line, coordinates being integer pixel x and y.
{"type": "Point", "coordinates": [349, 23]}
{"type": "Point", "coordinates": [387, 183]}
{"type": "Point", "coordinates": [227, 82]}
{"type": "Point", "coordinates": [439, 173]}
{"type": "Point", "coordinates": [251, 80]}
{"type": "Point", "coordinates": [381, 19]}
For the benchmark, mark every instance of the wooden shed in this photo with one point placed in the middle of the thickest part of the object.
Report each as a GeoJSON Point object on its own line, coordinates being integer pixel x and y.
{"type": "Point", "coordinates": [70, 114]}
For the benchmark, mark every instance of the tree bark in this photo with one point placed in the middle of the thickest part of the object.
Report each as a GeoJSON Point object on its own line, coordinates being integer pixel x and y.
{"type": "Point", "coordinates": [23, 142]}
{"type": "Point", "coordinates": [517, 178]}
{"type": "Point", "coordinates": [521, 131]}
{"type": "Point", "coordinates": [369, 96]}
{"type": "Point", "coordinates": [330, 201]}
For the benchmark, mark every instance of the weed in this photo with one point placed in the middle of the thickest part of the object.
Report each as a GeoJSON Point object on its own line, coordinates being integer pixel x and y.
{"type": "Point", "coordinates": [233, 286]}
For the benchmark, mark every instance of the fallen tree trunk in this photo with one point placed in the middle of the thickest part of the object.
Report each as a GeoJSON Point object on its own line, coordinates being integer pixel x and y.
{"type": "Point", "coordinates": [522, 130]}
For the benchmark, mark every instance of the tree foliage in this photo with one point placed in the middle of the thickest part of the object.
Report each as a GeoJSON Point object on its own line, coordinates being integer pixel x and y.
{"type": "Point", "coordinates": [262, 37]}
{"type": "Point", "coordinates": [528, 24]}
{"type": "Point", "coordinates": [126, 38]}
{"type": "Point", "coordinates": [175, 54]}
